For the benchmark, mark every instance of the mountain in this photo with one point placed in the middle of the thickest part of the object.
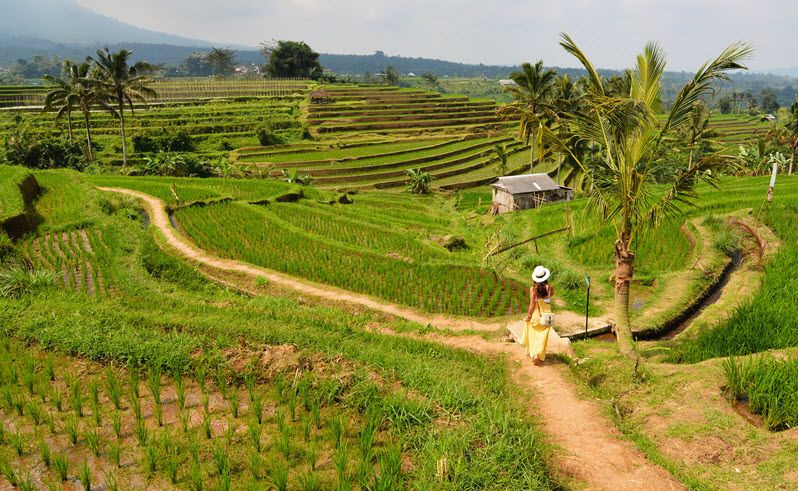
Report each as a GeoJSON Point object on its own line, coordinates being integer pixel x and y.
{"type": "Point", "coordinates": [66, 22]}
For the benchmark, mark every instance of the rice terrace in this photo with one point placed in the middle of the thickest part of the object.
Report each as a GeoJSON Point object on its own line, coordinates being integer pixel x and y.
{"type": "Point", "coordinates": [270, 268]}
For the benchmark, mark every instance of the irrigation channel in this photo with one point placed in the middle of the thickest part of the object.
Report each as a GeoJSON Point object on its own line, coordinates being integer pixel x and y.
{"type": "Point", "coordinates": [680, 323]}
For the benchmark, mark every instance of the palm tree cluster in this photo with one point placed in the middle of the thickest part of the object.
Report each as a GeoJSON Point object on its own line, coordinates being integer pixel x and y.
{"type": "Point", "coordinates": [541, 99]}
{"type": "Point", "coordinates": [609, 131]}
{"type": "Point", "coordinates": [108, 82]}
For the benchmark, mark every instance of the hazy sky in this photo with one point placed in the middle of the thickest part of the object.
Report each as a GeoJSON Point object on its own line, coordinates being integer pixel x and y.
{"type": "Point", "coordinates": [484, 31]}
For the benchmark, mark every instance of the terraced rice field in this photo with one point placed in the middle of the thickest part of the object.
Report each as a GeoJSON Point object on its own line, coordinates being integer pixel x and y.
{"type": "Point", "coordinates": [735, 129]}
{"type": "Point", "coordinates": [11, 202]}
{"type": "Point", "coordinates": [340, 112]}
{"type": "Point", "coordinates": [173, 90]}
{"type": "Point", "coordinates": [173, 382]}
{"type": "Point", "coordinates": [215, 126]}
{"type": "Point", "coordinates": [355, 247]}
{"type": "Point", "coordinates": [80, 257]}
{"type": "Point", "coordinates": [370, 136]}
{"type": "Point", "coordinates": [385, 165]}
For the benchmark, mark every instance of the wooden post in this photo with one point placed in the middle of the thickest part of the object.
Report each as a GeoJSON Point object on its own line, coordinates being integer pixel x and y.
{"type": "Point", "coordinates": [773, 180]}
{"type": "Point", "coordinates": [587, 303]}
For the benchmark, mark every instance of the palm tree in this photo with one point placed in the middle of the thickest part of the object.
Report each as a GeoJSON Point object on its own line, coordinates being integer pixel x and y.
{"type": "Point", "coordinates": [222, 60]}
{"type": "Point", "coordinates": [123, 83]}
{"type": "Point", "coordinates": [566, 101]}
{"type": "Point", "coordinates": [80, 93]}
{"type": "Point", "coordinates": [63, 98]}
{"type": "Point", "coordinates": [391, 75]}
{"type": "Point", "coordinates": [622, 188]}
{"type": "Point", "coordinates": [533, 103]}
{"type": "Point", "coordinates": [697, 128]}
{"type": "Point", "coordinates": [501, 159]}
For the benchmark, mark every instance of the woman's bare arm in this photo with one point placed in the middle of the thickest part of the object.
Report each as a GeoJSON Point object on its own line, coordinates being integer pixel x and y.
{"type": "Point", "coordinates": [532, 303]}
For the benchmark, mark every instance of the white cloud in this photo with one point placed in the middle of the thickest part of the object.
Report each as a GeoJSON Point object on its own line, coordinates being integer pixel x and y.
{"type": "Point", "coordinates": [492, 31]}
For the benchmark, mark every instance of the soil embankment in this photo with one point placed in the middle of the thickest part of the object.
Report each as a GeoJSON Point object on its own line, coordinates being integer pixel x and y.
{"type": "Point", "coordinates": [18, 225]}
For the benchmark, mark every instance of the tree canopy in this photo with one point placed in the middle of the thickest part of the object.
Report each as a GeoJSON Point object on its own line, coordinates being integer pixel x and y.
{"type": "Point", "coordinates": [222, 61]}
{"type": "Point", "coordinates": [291, 59]}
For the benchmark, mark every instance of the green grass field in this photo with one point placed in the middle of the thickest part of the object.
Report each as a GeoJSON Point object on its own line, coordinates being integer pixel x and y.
{"type": "Point", "coordinates": [183, 382]}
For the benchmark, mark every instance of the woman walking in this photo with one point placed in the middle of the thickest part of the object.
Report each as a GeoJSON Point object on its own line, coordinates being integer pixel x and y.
{"type": "Point", "coordinates": [539, 318]}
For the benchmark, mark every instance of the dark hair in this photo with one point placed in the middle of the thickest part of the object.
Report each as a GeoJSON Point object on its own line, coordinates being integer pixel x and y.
{"type": "Point", "coordinates": [541, 289]}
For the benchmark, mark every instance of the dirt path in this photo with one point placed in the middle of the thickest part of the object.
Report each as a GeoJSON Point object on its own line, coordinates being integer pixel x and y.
{"type": "Point", "coordinates": [160, 219]}
{"type": "Point", "coordinates": [590, 449]}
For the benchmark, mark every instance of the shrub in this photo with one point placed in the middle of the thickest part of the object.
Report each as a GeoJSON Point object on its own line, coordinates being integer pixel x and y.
{"type": "Point", "coordinates": [18, 279]}
{"type": "Point", "coordinates": [727, 241]}
{"type": "Point", "coordinates": [267, 137]}
{"type": "Point", "coordinates": [171, 141]}
{"type": "Point", "coordinates": [176, 165]}
{"type": "Point", "coordinates": [418, 181]}
{"type": "Point", "coordinates": [40, 152]}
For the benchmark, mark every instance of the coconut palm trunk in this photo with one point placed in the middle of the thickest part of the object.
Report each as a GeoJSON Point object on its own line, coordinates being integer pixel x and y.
{"type": "Point", "coordinates": [624, 272]}
{"type": "Point", "coordinates": [122, 128]}
{"type": "Point", "coordinates": [88, 136]}
{"type": "Point", "coordinates": [69, 125]}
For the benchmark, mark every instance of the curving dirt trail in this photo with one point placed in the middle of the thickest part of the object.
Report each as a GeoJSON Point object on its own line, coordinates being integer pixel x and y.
{"type": "Point", "coordinates": [589, 449]}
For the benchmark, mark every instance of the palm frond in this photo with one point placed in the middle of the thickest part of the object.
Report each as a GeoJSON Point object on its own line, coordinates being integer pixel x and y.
{"type": "Point", "coordinates": [647, 76]}
{"type": "Point", "coordinates": [594, 79]}
{"type": "Point", "coordinates": [701, 84]}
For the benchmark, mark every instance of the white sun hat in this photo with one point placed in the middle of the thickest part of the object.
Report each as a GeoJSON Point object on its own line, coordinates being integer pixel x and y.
{"type": "Point", "coordinates": [540, 274]}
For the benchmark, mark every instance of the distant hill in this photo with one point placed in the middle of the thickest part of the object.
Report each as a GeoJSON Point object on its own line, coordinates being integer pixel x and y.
{"type": "Point", "coordinates": [66, 22]}
{"type": "Point", "coordinates": [787, 72]}
{"type": "Point", "coordinates": [374, 63]}
{"type": "Point", "coordinates": [167, 54]}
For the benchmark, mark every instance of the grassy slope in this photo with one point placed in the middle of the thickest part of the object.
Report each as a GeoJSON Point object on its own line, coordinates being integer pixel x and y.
{"type": "Point", "coordinates": [10, 197]}
{"type": "Point", "coordinates": [166, 317]}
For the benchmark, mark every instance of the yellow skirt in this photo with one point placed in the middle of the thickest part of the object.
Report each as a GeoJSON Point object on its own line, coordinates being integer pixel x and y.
{"type": "Point", "coordinates": [536, 336]}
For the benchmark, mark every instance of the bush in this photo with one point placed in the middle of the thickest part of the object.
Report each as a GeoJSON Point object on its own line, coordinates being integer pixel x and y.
{"type": "Point", "coordinates": [38, 152]}
{"type": "Point", "coordinates": [18, 279]}
{"type": "Point", "coordinates": [267, 137]}
{"type": "Point", "coordinates": [176, 165]}
{"type": "Point", "coordinates": [727, 241]}
{"type": "Point", "coordinates": [173, 141]}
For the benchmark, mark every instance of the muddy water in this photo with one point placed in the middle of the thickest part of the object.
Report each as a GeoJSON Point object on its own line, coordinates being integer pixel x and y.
{"type": "Point", "coordinates": [173, 220]}
{"type": "Point", "coordinates": [741, 408]}
{"type": "Point", "coordinates": [145, 218]}
{"type": "Point", "coordinates": [712, 298]}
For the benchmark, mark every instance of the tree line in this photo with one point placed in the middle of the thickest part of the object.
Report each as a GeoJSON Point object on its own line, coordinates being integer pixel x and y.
{"type": "Point", "coordinates": [282, 59]}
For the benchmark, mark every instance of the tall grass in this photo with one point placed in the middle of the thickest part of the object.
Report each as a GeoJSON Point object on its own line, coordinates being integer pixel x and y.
{"type": "Point", "coordinates": [769, 385]}
{"type": "Point", "coordinates": [18, 279]}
